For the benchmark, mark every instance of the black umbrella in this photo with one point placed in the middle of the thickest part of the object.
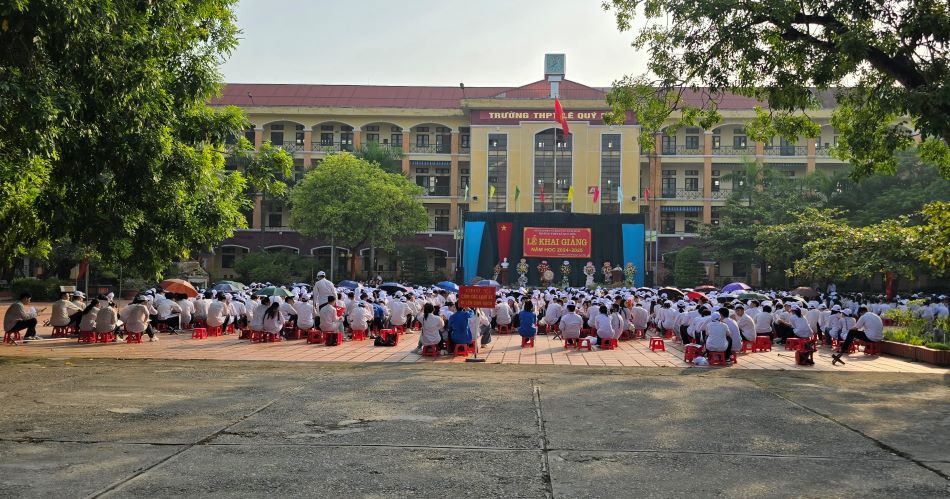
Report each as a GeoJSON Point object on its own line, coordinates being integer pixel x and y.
{"type": "Point", "coordinates": [392, 287]}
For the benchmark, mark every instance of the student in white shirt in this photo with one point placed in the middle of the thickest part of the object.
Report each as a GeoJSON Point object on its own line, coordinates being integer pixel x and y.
{"type": "Point", "coordinates": [718, 338]}
{"type": "Point", "coordinates": [745, 323]}
{"type": "Point", "coordinates": [432, 326]}
{"type": "Point", "coordinates": [571, 323]}
{"type": "Point", "coordinates": [273, 319]}
{"type": "Point", "coordinates": [303, 309]}
{"type": "Point", "coordinates": [869, 327]}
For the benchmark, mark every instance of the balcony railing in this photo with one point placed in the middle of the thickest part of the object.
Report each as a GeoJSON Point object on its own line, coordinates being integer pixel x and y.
{"type": "Point", "coordinates": [331, 147]}
{"type": "Point", "coordinates": [681, 194]}
{"type": "Point", "coordinates": [823, 151]}
{"type": "Point", "coordinates": [439, 190]}
{"type": "Point", "coordinates": [733, 151]}
{"type": "Point", "coordinates": [465, 150]}
{"type": "Point", "coordinates": [394, 147]}
{"type": "Point", "coordinates": [786, 151]}
{"type": "Point", "coordinates": [721, 194]}
{"type": "Point", "coordinates": [430, 149]}
{"type": "Point", "coordinates": [681, 151]}
{"type": "Point", "coordinates": [291, 147]}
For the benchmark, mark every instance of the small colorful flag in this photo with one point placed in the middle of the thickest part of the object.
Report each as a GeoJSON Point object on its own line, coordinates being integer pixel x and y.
{"type": "Point", "coordinates": [542, 193]}
{"type": "Point", "coordinates": [596, 194]}
{"type": "Point", "coordinates": [517, 193]}
{"type": "Point", "coordinates": [646, 195]}
{"type": "Point", "coordinates": [570, 194]}
{"type": "Point", "coordinates": [491, 192]}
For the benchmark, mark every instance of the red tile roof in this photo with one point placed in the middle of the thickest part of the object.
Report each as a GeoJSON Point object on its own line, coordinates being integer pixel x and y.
{"type": "Point", "coordinates": [434, 97]}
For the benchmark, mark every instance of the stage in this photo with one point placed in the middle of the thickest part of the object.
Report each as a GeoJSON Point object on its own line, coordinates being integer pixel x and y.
{"type": "Point", "coordinates": [490, 237]}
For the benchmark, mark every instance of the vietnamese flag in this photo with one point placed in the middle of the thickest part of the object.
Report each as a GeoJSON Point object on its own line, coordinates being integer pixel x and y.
{"type": "Point", "coordinates": [596, 193]}
{"type": "Point", "coordinates": [560, 117]}
{"type": "Point", "coordinates": [646, 195]}
{"type": "Point", "coordinates": [542, 193]}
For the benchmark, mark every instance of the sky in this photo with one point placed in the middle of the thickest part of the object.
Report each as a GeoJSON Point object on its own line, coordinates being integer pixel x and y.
{"type": "Point", "coordinates": [427, 42]}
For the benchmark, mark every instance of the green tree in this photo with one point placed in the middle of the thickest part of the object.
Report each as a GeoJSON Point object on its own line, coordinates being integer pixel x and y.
{"type": "Point", "coordinates": [269, 171]}
{"type": "Point", "coordinates": [687, 271]}
{"type": "Point", "coordinates": [783, 244]}
{"type": "Point", "coordinates": [107, 139]}
{"type": "Point", "coordinates": [891, 55]}
{"type": "Point", "coordinates": [934, 237]}
{"type": "Point", "coordinates": [388, 158]}
{"type": "Point", "coordinates": [352, 201]}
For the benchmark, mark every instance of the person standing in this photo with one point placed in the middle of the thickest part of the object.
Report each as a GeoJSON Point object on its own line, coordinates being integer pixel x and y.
{"type": "Point", "coordinates": [323, 289]}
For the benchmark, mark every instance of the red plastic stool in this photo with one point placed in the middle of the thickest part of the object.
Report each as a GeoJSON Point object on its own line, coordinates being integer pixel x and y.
{"type": "Point", "coordinates": [668, 334]}
{"type": "Point", "coordinates": [161, 327]}
{"type": "Point", "coordinates": [587, 332]}
{"type": "Point", "coordinates": [330, 334]}
{"type": "Point", "coordinates": [639, 334]}
{"type": "Point", "coordinates": [748, 346]}
{"type": "Point", "coordinates": [270, 337]}
{"type": "Point", "coordinates": [61, 331]}
{"type": "Point", "coordinates": [385, 334]}
{"type": "Point", "coordinates": [571, 342]}
{"type": "Point", "coordinates": [872, 347]}
{"type": "Point", "coordinates": [608, 344]}
{"type": "Point", "coordinates": [584, 343]}
{"type": "Point", "coordinates": [692, 351]}
{"type": "Point", "coordinates": [133, 337]}
{"type": "Point", "coordinates": [416, 325]}
{"type": "Point", "coordinates": [762, 344]}
{"type": "Point", "coordinates": [245, 333]}
{"type": "Point", "coordinates": [504, 329]}
{"type": "Point", "coordinates": [793, 344]}
{"type": "Point", "coordinates": [717, 358]}
{"type": "Point", "coordinates": [230, 329]}
{"type": "Point", "coordinates": [107, 337]}
{"type": "Point", "coordinates": [358, 335]}
{"type": "Point", "coordinates": [214, 331]}
{"type": "Point", "coordinates": [256, 336]}
{"type": "Point", "coordinates": [199, 333]}
{"type": "Point", "coordinates": [430, 351]}
{"type": "Point", "coordinates": [87, 337]}
{"type": "Point", "coordinates": [656, 343]}
{"type": "Point", "coordinates": [314, 336]}
{"type": "Point", "coordinates": [399, 329]}
{"type": "Point", "coordinates": [461, 350]}
{"type": "Point", "coordinates": [527, 342]}
{"type": "Point", "coordinates": [625, 335]}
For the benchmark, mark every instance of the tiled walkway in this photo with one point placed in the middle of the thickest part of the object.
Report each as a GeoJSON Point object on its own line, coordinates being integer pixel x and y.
{"type": "Point", "coordinates": [505, 349]}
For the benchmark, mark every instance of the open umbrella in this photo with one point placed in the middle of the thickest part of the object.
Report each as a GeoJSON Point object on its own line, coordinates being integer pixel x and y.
{"type": "Point", "coordinates": [696, 296]}
{"type": "Point", "coordinates": [179, 286]}
{"type": "Point", "coordinates": [488, 282]}
{"type": "Point", "coordinates": [752, 296]}
{"type": "Point", "coordinates": [392, 287]}
{"type": "Point", "coordinates": [705, 288]}
{"type": "Point", "coordinates": [228, 286]}
{"type": "Point", "coordinates": [348, 284]}
{"type": "Point", "coordinates": [448, 286]}
{"type": "Point", "coordinates": [736, 286]}
{"type": "Point", "coordinates": [725, 298]}
{"type": "Point", "coordinates": [805, 291]}
{"type": "Point", "coordinates": [274, 291]}
{"type": "Point", "coordinates": [671, 293]}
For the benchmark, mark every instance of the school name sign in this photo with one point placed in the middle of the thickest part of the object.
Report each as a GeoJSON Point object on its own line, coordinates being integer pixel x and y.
{"type": "Point", "coordinates": [516, 116]}
{"type": "Point", "coordinates": [550, 242]}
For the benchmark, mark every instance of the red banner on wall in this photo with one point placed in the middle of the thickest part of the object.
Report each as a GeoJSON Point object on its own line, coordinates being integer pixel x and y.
{"type": "Point", "coordinates": [504, 239]}
{"type": "Point", "coordinates": [556, 242]}
{"type": "Point", "coordinates": [477, 296]}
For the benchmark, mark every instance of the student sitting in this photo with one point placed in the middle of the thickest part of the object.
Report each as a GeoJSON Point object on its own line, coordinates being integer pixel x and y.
{"type": "Point", "coordinates": [527, 321]}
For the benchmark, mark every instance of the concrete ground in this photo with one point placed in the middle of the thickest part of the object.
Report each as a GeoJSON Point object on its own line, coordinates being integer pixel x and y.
{"type": "Point", "coordinates": [158, 428]}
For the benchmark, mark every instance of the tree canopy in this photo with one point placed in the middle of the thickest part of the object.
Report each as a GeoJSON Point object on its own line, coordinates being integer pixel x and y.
{"type": "Point", "coordinates": [355, 202]}
{"type": "Point", "coordinates": [886, 61]}
{"type": "Point", "coordinates": [106, 136]}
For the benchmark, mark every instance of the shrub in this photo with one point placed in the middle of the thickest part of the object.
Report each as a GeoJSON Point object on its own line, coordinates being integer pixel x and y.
{"type": "Point", "coordinates": [41, 290]}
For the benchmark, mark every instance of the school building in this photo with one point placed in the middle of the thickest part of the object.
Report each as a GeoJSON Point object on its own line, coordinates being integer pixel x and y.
{"type": "Point", "coordinates": [499, 149]}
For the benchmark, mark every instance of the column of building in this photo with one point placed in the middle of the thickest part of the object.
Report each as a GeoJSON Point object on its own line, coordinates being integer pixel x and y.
{"type": "Point", "coordinates": [257, 219]}
{"type": "Point", "coordinates": [405, 152]}
{"type": "Point", "coordinates": [707, 177]}
{"type": "Point", "coordinates": [810, 154]}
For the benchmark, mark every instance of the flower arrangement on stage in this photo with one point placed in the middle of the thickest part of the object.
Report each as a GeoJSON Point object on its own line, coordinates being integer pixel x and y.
{"type": "Point", "coordinates": [565, 274]}
{"type": "Point", "coordinates": [589, 271]}
{"type": "Point", "coordinates": [629, 273]}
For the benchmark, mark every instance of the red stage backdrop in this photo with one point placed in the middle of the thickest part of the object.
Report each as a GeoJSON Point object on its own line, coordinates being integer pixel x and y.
{"type": "Point", "coordinates": [504, 239]}
{"type": "Point", "coordinates": [550, 242]}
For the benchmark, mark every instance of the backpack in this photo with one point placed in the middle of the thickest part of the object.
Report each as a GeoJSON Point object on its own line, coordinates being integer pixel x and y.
{"type": "Point", "coordinates": [388, 342]}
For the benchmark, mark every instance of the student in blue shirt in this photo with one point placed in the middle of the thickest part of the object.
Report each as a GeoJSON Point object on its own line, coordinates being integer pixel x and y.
{"type": "Point", "coordinates": [459, 333]}
{"type": "Point", "coordinates": [527, 320]}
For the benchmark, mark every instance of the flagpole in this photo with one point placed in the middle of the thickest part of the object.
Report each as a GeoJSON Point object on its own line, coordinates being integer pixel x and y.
{"type": "Point", "coordinates": [554, 196]}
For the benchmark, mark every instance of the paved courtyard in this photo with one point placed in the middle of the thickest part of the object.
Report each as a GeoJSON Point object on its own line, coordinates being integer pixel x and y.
{"type": "Point", "coordinates": [504, 349]}
{"type": "Point", "coordinates": [86, 427]}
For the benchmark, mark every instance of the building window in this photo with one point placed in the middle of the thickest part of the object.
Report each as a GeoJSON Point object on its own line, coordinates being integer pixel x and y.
{"type": "Point", "coordinates": [692, 184]}
{"type": "Point", "coordinates": [326, 139]}
{"type": "Point", "coordinates": [691, 224]}
{"type": "Point", "coordinates": [346, 141]}
{"type": "Point", "coordinates": [739, 138]}
{"type": "Point", "coordinates": [396, 139]}
{"type": "Point", "coordinates": [372, 128]}
{"type": "Point", "coordinates": [609, 173]}
{"type": "Point", "coordinates": [714, 214]}
{"type": "Point", "coordinates": [497, 172]}
{"type": "Point", "coordinates": [422, 141]}
{"type": "Point", "coordinates": [275, 219]}
{"type": "Point", "coordinates": [249, 135]}
{"type": "Point", "coordinates": [715, 181]}
{"type": "Point", "coordinates": [298, 138]}
{"type": "Point", "coordinates": [346, 128]}
{"type": "Point", "coordinates": [692, 142]}
{"type": "Point", "coordinates": [443, 143]}
{"type": "Point", "coordinates": [669, 144]}
{"type": "Point", "coordinates": [440, 220]}
{"type": "Point", "coordinates": [276, 137]}
{"type": "Point", "coordinates": [716, 141]}
{"type": "Point", "coordinates": [464, 141]}
{"type": "Point", "coordinates": [667, 223]}
{"type": "Point", "coordinates": [372, 137]}
{"type": "Point", "coordinates": [442, 129]}
{"type": "Point", "coordinates": [668, 184]}
{"type": "Point", "coordinates": [395, 129]}
{"type": "Point", "coordinates": [552, 176]}
{"type": "Point", "coordinates": [439, 261]}
{"type": "Point", "coordinates": [228, 256]}
{"type": "Point", "coordinates": [326, 128]}
{"type": "Point", "coordinates": [422, 129]}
